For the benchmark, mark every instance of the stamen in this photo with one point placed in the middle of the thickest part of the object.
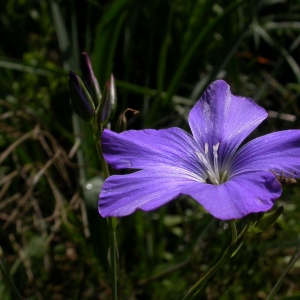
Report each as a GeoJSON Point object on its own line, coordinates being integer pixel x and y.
{"type": "Point", "coordinates": [206, 148]}
{"type": "Point", "coordinates": [216, 164]}
{"type": "Point", "coordinates": [202, 158]}
{"type": "Point", "coordinates": [224, 176]}
{"type": "Point", "coordinates": [212, 167]}
{"type": "Point", "coordinates": [215, 148]}
{"type": "Point", "coordinates": [207, 165]}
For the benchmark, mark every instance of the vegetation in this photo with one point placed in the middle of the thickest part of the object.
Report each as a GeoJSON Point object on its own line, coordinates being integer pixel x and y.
{"type": "Point", "coordinates": [163, 54]}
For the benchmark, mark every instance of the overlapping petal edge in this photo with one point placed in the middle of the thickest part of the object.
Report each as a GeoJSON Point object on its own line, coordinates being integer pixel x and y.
{"type": "Point", "coordinates": [171, 162]}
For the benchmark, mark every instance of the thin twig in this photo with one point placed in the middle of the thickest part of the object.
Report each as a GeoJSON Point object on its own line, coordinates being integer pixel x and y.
{"type": "Point", "coordinates": [14, 145]}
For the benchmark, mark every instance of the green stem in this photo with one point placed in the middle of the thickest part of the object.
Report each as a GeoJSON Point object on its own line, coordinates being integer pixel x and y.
{"type": "Point", "coordinates": [112, 223]}
{"type": "Point", "coordinates": [233, 231]}
{"type": "Point", "coordinates": [278, 284]}
{"type": "Point", "coordinates": [8, 278]}
{"type": "Point", "coordinates": [201, 283]}
{"type": "Point", "coordinates": [113, 256]}
{"type": "Point", "coordinates": [231, 250]}
{"type": "Point", "coordinates": [102, 160]}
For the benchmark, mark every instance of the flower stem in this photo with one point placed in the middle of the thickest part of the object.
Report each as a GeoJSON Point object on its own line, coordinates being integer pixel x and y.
{"type": "Point", "coordinates": [278, 284]}
{"type": "Point", "coordinates": [231, 250]}
{"type": "Point", "coordinates": [102, 160]}
{"type": "Point", "coordinates": [112, 224]}
{"type": "Point", "coordinates": [8, 278]}
{"type": "Point", "coordinates": [233, 231]}
{"type": "Point", "coordinates": [197, 287]}
{"type": "Point", "coordinates": [113, 256]}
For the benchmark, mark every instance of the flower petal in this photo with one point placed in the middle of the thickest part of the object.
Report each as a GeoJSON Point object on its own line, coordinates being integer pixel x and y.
{"type": "Point", "coordinates": [149, 149]}
{"type": "Point", "coordinates": [220, 117]}
{"type": "Point", "coordinates": [121, 195]}
{"type": "Point", "coordinates": [243, 194]}
{"type": "Point", "coordinates": [278, 151]}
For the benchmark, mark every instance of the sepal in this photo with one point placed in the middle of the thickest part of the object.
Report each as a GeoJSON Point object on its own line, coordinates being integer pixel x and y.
{"type": "Point", "coordinates": [266, 221]}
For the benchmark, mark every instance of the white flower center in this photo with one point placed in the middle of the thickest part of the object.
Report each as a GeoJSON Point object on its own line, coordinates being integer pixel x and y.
{"type": "Point", "coordinates": [213, 172]}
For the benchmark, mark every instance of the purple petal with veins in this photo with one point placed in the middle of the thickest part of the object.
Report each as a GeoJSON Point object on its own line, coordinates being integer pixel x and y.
{"type": "Point", "coordinates": [209, 165]}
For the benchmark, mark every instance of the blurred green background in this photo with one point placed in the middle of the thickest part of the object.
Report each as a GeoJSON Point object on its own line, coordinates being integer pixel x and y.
{"type": "Point", "coordinates": [163, 54]}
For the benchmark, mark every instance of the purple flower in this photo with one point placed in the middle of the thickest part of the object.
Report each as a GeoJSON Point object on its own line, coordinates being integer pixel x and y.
{"type": "Point", "coordinates": [230, 182]}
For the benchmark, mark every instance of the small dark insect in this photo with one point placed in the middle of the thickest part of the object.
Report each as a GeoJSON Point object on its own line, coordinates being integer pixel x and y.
{"type": "Point", "coordinates": [284, 180]}
{"type": "Point", "coordinates": [208, 180]}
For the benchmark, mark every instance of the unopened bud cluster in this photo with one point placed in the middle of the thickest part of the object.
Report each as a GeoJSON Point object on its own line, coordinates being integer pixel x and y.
{"type": "Point", "coordinates": [86, 97]}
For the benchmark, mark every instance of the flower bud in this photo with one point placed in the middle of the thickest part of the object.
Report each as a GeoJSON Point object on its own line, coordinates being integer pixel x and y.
{"type": "Point", "coordinates": [112, 94]}
{"type": "Point", "coordinates": [108, 102]}
{"type": "Point", "coordinates": [267, 220]}
{"type": "Point", "coordinates": [89, 78]}
{"type": "Point", "coordinates": [80, 98]}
